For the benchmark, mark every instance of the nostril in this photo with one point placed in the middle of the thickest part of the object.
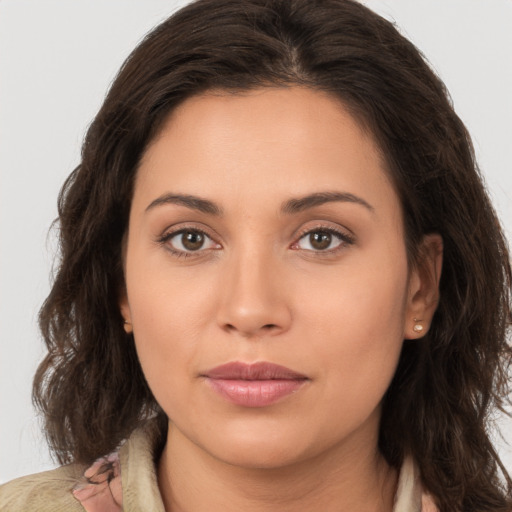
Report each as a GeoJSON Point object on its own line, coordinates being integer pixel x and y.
{"type": "Point", "coordinates": [263, 328]}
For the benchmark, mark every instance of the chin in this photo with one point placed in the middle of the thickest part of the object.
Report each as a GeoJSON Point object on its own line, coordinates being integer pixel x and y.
{"type": "Point", "coordinates": [252, 449]}
{"type": "Point", "coordinates": [258, 456]}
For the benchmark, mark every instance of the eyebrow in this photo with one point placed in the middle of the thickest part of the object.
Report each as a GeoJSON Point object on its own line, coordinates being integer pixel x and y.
{"type": "Point", "coordinates": [303, 203]}
{"type": "Point", "coordinates": [192, 202]}
{"type": "Point", "coordinates": [290, 207]}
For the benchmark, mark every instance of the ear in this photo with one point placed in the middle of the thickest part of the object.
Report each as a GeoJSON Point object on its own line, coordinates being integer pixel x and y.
{"type": "Point", "coordinates": [124, 306]}
{"type": "Point", "coordinates": [423, 292]}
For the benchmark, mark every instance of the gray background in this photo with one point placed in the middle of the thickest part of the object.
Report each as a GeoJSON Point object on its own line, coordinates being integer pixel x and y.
{"type": "Point", "coordinates": [57, 59]}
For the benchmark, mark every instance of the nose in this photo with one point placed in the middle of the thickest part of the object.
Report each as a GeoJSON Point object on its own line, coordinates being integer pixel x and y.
{"type": "Point", "coordinates": [254, 297]}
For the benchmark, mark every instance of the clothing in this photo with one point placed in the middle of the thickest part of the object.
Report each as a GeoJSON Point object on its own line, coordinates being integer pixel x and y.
{"type": "Point", "coordinates": [100, 488]}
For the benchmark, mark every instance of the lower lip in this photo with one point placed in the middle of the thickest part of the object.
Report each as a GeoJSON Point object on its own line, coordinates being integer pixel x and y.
{"type": "Point", "coordinates": [255, 393]}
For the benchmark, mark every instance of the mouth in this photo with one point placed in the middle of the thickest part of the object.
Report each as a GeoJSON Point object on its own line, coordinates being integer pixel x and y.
{"type": "Point", "coordinates": [254, 385]}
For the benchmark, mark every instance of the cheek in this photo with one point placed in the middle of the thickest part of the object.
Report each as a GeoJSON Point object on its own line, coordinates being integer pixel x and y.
{"type": "Point", "coordinates": [364, 296]}
{"type": "Point", "coordinates": [173, 312]}
{"type": "Point", "coordinates": [165, 301]}
{"type": "Point", "coordinates": [356, 321]}
{"type": "Point", "coordinates": [168, 315]}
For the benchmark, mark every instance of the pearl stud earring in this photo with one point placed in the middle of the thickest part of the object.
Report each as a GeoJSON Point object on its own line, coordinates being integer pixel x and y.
{"type": "Point", "coordinates": [417, 326]}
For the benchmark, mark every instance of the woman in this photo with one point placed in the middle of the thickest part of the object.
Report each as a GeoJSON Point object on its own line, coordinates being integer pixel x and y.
{"type": "Point", "coordinates": [282, 286]}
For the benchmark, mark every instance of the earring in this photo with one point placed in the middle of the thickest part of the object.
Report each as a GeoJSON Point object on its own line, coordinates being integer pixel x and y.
{"type": "Point", "coordinates": [417, 326]}
{"type": "Point", "coordinates": [127, 327]}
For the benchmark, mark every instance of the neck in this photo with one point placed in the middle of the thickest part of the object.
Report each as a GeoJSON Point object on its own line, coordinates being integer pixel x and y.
{"type": "Point", "coordinates": [352, 476]}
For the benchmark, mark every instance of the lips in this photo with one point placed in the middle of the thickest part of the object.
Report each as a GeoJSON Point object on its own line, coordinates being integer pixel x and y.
{"type": "Point", "coordinates": [254, 385]}
{"type": "Point", "coordinates": [255, 371]}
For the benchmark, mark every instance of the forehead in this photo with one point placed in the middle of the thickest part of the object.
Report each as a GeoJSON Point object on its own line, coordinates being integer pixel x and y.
{"type": "Point", "coordinates": [271, 141]}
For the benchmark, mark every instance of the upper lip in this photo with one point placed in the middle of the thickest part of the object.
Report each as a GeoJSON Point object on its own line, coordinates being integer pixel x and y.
{"type": "Point", "coordinates": [256, 371]}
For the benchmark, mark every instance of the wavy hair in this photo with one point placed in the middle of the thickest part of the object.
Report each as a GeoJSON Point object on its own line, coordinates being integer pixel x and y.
{"type": "Point", "coordinates": [90, 387]}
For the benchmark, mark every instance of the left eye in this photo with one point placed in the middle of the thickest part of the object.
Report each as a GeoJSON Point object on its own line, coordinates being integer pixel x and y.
{"type": "Point", "coordinates": [321, 240]}
{"type": "Point", "coordinates": [190, 240]}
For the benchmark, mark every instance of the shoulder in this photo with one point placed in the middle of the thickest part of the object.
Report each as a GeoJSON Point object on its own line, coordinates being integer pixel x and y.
{"type": "Point", "coordinates": [49, 491]}
{"type": "Point", "coordinates": [78, 488]}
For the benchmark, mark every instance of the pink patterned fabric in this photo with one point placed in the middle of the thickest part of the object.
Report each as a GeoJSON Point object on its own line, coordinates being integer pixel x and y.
{"type": "Point", "coordinates": [100, 489]}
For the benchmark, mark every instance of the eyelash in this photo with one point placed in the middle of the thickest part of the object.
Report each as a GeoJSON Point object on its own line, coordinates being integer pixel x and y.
{"type": "Point", "coordinates": [345, 239]}
{"type": "Point", "coordinates": [164, 239]}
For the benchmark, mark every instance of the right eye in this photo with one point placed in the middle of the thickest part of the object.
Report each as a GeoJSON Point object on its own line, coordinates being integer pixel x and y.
{"type": "Point", "coordinates": [187, 240]}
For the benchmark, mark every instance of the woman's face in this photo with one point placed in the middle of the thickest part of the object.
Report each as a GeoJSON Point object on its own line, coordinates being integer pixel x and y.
{"type": "Point", "coordinates": [264, 228]}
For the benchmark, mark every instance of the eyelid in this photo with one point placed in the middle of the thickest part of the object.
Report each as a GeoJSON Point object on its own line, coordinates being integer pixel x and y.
{"type": "Point", "coordinates": [168, 234]}
{"type": "Point", "coordinates": [345, 236]}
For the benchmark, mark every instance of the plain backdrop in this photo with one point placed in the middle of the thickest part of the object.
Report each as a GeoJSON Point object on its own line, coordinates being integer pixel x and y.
{"type": "Point", "coordinates": [57, 59]}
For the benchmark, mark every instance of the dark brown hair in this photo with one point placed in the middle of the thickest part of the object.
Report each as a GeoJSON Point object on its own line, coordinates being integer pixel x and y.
{"type": "Point", "coordinates": [90, 387]}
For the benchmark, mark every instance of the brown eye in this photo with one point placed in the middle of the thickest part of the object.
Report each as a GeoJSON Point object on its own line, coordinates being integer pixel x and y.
{"type": "Point", "coordinates": [323, 240]}
{"type": "Point", "coordinates": [192, 240]}
{"type": "Point", "coordinates": [188, 240]}
{"type": "Point", "coordinates": [320, 240]}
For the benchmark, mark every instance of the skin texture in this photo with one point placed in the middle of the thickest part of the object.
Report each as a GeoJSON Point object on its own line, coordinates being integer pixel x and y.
{"type": "Point", "coordinates": [259, 289]}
